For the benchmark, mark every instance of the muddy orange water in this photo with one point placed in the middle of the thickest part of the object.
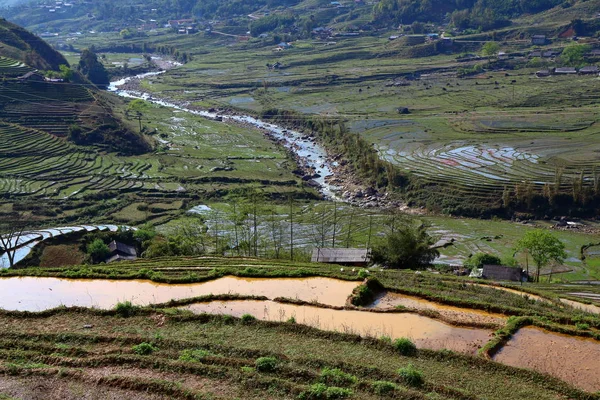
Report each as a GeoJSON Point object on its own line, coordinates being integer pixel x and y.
{"type": "Point", "coordinates": [574, 360]}
{"type": "Point", "coordinates": [37, 294]}
{"type": "Point", "coordinates": [425, 332]}
{"type": "Point", "coordinates": [456, 314]}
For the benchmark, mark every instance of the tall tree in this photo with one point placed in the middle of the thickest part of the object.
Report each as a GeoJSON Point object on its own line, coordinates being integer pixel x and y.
{"type": "Point", "coordinates": [92, 68]}
{"type": "Point", "coordinates": [543, 247]}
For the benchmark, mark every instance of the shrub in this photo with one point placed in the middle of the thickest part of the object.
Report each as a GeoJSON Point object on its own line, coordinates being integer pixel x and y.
{"type": "Point", "coordinates": [337, 377]}
{"type": "Point", "coordinates": [383, 388]}
{"type": "Point", "coordinates": [405, 347]}
{"type": "Point", "coordinates": [481, 259]}
{"type": "Point", "coordinates": [386, 339]}
{"type": "Point", "coordinates": [266, 364]}
{"type": "Point", "coordinates": [337, 393]}
{"type": "Point", "coordinates": [98, 250]}
{"type": "Point", "coordinates": [196, 355]}
{"type": "Point", "coordinates": [247, 319]}
{"type": "Point", "coordinates": [582, 326]}
{"type": "Point", "coordinates": [291, 320]}
{"type": "Point", "coordinates": [363, 273]}
{"type": "Point", "coordinates": [321, 391]}
{"type": "Point", "coordinates": [126, 309]}
{"type": "Point", "coordinates": [411, 376]}
{"type": "Point", "coordinates": [144, 349]}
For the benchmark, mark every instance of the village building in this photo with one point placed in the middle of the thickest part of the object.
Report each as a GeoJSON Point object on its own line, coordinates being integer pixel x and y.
{"type": "Point", "coordinates": [121, 252]}
{"type": "Point", "coordinates": [502, 273]}
{"type": "Point", "coordinates": [538, 40]}
{"type": "Point", "coordinates": [32, 76]}
{"type": "Point", "coordinates": [349, 257]}
{"type": "Point", "coordinates": [564, 71]}
{"type": "Point", "coordinates": [589, 70]}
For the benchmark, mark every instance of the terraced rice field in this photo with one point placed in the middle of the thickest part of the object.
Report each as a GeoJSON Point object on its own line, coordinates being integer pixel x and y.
{"type": "Point", "coordinates": [33, 162]}
{"type": "Point", "coordinates": [10, 67]}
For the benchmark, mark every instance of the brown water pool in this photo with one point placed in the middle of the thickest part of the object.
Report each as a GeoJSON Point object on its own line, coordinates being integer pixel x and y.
{"type": "Point", "coordinates": [574, 360]}
{"type": "Point", "coordinates": [451, 313]}
{"type": "Point", "coordinates": [425, 332]}
{"type": "Point", "coordinates": [37, 294]}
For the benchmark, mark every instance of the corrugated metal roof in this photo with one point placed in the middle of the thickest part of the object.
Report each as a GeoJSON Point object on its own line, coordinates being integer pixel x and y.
{"type": "Point", "coordinates": [329, 255]}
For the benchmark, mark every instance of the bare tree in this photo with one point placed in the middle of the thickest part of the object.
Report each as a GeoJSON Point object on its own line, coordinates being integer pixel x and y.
{"type": "Point", "coordinates": [11, 233]}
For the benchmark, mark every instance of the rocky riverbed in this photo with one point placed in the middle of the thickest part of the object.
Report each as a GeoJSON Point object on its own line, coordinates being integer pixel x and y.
{"type": "Point", "coordinates": [330, 174]}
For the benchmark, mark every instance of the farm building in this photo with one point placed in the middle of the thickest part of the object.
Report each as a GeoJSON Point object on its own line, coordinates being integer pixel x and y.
{"type": "Point", "coordinates": [32, 76]}
{"type": "Point", "coordinates": [542, 73]}
{"type": "Point", "coordinates": [538, 39]}
{"type": "Point", "coordinates": [589, 70]}
{"type": "Point", "coordinates": [564, 71]}
{"type": "Point", "coordinates": [351, 257]}
{"type": "Point", "coordinates": [120, 252]}
{"type": "Point", "coordinates": [502, 273]}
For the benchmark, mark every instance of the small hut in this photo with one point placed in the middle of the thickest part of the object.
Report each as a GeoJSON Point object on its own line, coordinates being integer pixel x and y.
{"type": "Point", "coordinates": [349, 257]}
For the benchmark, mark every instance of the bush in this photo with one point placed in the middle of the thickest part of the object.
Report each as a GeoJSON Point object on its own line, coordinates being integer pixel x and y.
{"type": "Point", "coordinates": [291, 320]}
{"type": "Point", "coordinates": [363, 273]}
{"type": "Point", "coordinates": [383, 388]}
{"type": "Point", "coordinates": [481, 259]}
{"type": "Point", "coordinates": [98, 250]}
{"type": "Point", "coordinates": [407, 247]}
{"type": "Point", "coordinates": [405, 347]}
{"type": "Point", "coordinates": [582, 326]}
{"type": "Point", "coordinates": [411, 376]}
{"type": "Point", "coordinates": [321, 391]}
{"type": "Point", "coordinates": [196, 355]}
{"type": "Point", "coordinates": [126, 309]}
{"type": "Point", "coordinates": [337, 377]}
{"type": "Point", "coordinates": [144, 349]}
{"type": "Point", "coordinates": [248, 319]}
{"type": "Point", "coordinates": [266, 364]}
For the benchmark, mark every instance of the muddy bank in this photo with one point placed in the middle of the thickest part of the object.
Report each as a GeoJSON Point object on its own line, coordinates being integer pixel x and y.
{"type": "Point", "coordinates": [574, 360]}
{"type": "Point", "coordinates": [423, 331]}
{"type": "Point", "coordinates": [38, 294]}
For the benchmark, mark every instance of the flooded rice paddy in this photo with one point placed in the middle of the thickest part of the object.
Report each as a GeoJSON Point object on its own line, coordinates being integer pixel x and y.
{"type": "Point", "coordinates": [574, 360]}
{"type": "Point", "coordinates": [424, 332]}
{"type": "Point", "coordinates": [450, 313]}
{"type": "Point", "coordinates": [38, 294]}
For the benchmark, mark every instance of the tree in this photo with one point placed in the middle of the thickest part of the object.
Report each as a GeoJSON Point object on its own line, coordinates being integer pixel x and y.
{"type": "Point", "coordinates": [574, 55]}
{"type": "Point", "coordinates": [406, 247]}
{"type": "Point", "coordinates": [11, 234]}
{"type": "Point", "coordinates": [481, 259]}
{"type": "Point", "coordinates": [98, 250]}
{"type": "Point", "coordinates": [490, 49]}
{"type": "Point", "coordinates": [543, 248]}
{"type": "Point", "coordinates": [92, 68]}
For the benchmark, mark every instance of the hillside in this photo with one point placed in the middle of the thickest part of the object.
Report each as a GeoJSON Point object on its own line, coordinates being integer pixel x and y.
{"type": "Point", "coordinates": [19, 44]}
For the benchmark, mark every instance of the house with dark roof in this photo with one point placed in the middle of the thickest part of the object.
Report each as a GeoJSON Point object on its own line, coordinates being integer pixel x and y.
{"type": "Point", "coordinates": [32, 76]}
{"type": "Point", "coordinates": [502, 273]}
{"type": "Point", "coordinates": [538, 40]}
{"type": "Point", "coordinates": [120, 252]}
{"type": "Point", "coordinates": [350, 257]}
{"type": "Point", "coordinates": [589, 70]}
{"type": "Point", "coordinates": [564, 71]}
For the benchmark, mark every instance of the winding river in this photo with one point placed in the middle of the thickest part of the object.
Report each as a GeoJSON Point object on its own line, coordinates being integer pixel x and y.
{"type": "Point", "coordinates": [309, 152]}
